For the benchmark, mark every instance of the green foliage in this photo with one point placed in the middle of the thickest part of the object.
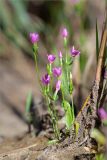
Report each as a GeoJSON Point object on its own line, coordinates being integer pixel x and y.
{"type": "Point", "coordinates": [104, 122]}
{"type": "Point", "coordinates": [69, 114]}
{"type": "Point", "coordinates": [100, 156]}
{"type": "Point", "coordinates": [79, 7]}
{"type": "Point", "coordinates": [65, 86]}
{"type": "Point", "coordinates": [51, 142]}
{"type": "Point", "coordinates": [98, 136]}
{"type": "Point", "coordinates": [61, 74]}
{"type": "Point", "coordinates": [28, 102]}
{"type": "Point", "coordinates": [28, 107]}
{"type": "Point", "coordinates": [76, 128]}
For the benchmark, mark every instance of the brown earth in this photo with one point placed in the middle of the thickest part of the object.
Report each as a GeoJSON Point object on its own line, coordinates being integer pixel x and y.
{"type": "Point", "coordinates": [28, 147]}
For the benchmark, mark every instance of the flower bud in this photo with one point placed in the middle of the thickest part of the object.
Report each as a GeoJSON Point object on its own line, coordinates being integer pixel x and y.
{"type": "Point", "coordinates": [51, 58]}
{"type": "Point", "coordinates": [34, 37]}
{"type": "Point", "coordinates": [60, 54]}
{"type": "Point", "coordinates": [57, 71]}
{"type": "Point", "coordinates": [46, 79]}
{"type": "Point", "coordinates": [64, 33]}
{"type": "Point", "coordinates": [58, 85]}
{"type": "Point", "coordinates": [102, 113]}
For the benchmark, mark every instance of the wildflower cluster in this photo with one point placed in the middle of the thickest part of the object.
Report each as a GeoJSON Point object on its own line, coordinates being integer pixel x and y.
{"type": "Point", "coordinates": [62, 76]}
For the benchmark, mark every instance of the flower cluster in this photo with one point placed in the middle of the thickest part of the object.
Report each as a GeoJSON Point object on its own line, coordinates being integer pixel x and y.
{"type": "Point", "coordinates": [62, 76]}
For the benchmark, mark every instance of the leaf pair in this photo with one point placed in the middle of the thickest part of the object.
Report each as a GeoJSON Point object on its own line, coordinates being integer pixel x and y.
{"type": "Point", "coordinates": [69, 114]}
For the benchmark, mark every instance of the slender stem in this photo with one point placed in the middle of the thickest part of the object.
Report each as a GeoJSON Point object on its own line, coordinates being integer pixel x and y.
{"type": "Point", "coordinates": [65, 46]}
{"type": "Point", "coordinates": [55, 124]}
{"type": "Point", "coordinates": [72, 107]}
{"type": "Point", "coordinates": [62, 94]}
{"type": "Point", "coordinates": [36, 68]}
{"type": "Point", "coordinates": [66, 60]}
{"type": "Point", "coordinates": [61, 62]}
{"type": "Point", "coordinates": [50, 69]}
{"type": "Point", "coordinates": [68, 76]}
{"type": "Point", "coordinates": [48, 87]}
{"type": "Point", "coordinates": [53, 115]}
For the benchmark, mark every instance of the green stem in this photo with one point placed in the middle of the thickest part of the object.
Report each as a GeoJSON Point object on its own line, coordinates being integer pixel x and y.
{"type": "Point", "coordinates": [53, 115]}
{"type": "Point", "coordinates": [68, 75]}
{"type": "Point", "coordinates": [55, 122]}
{"type": "Point", "coordinates": [61, 62]}
{"type": "Point", "coordinates": [50, 69]}
{"type": "Point", "coordinates": [65, 47]}
{"type": "Point", "coordinates": [36, 68]}
{"type": "Point", "coordinates": [63, 98]}
{"type": "Point", "coordinates": [66, 60]}
{"type": "Point", "coordinates": [72, 108]}
{"type": "Point", "coordinates": [36, 65]}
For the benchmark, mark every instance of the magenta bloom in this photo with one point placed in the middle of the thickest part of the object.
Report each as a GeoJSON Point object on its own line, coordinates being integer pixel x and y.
{"type": "Point", "coordinates": [51, 58]}
{"type": "Point", "coordinates": [105, 73]}
{"type": "Point", "coordinates": [60, 54]}
{"type": "Point", "coordinates": [64, 33]}
{"type": "Point", "coordinates": [58, 85]}
{"type": "Point", "coordinates": [102, 114]}
{"type": "Point", "coordinates": [57, 71]}
{"type": "Point", "coordinates": [34, 37]}
{"type": "Point", "coordinates": [46, 79]}
{"type": "Point", "coordinates": [74, 52]}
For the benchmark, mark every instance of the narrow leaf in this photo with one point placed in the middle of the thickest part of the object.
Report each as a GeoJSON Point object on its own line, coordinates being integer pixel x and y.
{"type": "Point", "coordinates": [28, 102]}
{"type": "Point", "coordinates": [76, 127]}
{"type": "Point", "coordinates": [98, 136]}
{"type": "Point", "coordinates": [68, 115]}
{"type": "Point", "coordinates": [51, 142]}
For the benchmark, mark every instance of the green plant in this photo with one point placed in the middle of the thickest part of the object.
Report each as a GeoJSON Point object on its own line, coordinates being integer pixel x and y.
{"type": "Point", "coordinates": [62, 77]}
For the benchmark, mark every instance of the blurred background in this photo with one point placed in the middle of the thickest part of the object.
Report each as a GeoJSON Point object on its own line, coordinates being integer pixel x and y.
{"type": "Point", "coordinates": [17, 73]}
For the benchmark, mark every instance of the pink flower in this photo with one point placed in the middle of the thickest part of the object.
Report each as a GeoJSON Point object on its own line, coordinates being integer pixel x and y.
{"type": "Point", "coordinates": [64, 33]}
{"type": "Point", "coordinates": [57, 71]}
{"type": "Point", "coordinates": [51, 58]}
{"type": "Point", "coordinates": [102, 113]}
{"type": "Point", "coordinates": [60, 54]}
{"type": "Point", "coordinates": [34, 37]}
{"type": "Point", "coordinates": [105, 73]}
{"type": "Point", "coordinates": [74, 52]}
{"type": "Point", "coordinates": [46, 79]}
{"type": "Point", "coordinates": [58, 85]}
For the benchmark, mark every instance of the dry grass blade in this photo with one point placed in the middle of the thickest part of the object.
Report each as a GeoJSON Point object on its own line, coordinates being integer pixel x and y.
{"type": "Point", "coordinates": [101, 56]}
